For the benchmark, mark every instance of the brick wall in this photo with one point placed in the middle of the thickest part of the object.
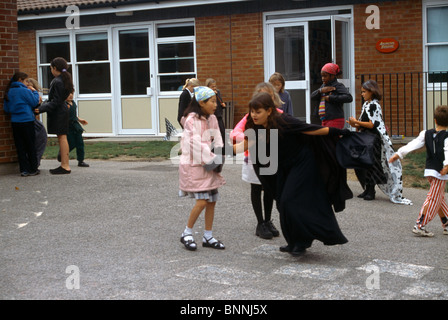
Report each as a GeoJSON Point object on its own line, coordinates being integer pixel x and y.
{"type": "Point", "coordinates": [230, 50]}
{"type": "Point", "coordinates": [27, 53]}
{"type": "Point", "coordinates": [401, 20]}
{"type": "Point", "coordinates": [9, 63]}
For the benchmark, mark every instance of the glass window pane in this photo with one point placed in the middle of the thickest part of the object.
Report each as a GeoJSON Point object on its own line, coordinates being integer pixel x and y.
{"type": "Point", "coordinates": [438, 24]}
{"type": "Point", "coordinates": [174, 83]}
{"type": "Point", "coordinates": [180, 31]}
{"type": "Point", "coordinates": [91, 47]}
{"type": "Point", "coordinates": [176, 65]}
{"type": "Point", "coordinates": [437, 58]}
{"type": "Point", "coordinates": [134, 44]}
{"type": "Point", "coordinates": [176, 57]}
{"type": "Point", "coordinates": [94, 78]}
{"type": "Point", "coordinates": [54, 46]}
{"type": "Point", "coordinates": [47, 77]}
{"type": "Point", "coordinates": [290, 52]}
{"type": "Point", "coordinates": [134, 77]}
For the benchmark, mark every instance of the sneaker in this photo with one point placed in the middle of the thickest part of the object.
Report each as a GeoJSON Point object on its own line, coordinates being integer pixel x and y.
{"type": "Point", "coordinates": [422, 232]}
{"type": "Point", "coordinates": [24, 174]}
{"type": "Point", "coordinates": [35, 173]}
{"type": "Point", "coordinates": [445, 230]}
{"type": "Point", "coordinates": [83, 164]}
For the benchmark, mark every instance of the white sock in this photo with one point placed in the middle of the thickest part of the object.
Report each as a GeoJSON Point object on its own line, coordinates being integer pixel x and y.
{"type": "Point", "coordinates": [209, 236]}
{"type": "Point", "coordinates": [187, 231]}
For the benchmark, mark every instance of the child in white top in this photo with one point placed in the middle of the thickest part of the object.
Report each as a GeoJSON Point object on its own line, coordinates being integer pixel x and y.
{"type": "Point", "coordinates": [436, 142]}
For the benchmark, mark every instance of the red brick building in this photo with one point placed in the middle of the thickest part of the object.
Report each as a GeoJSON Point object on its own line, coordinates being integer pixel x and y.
{"type": "Point", "coordinates": [9, 63]}
{"type": "Point", "coordinates": [130, 58]}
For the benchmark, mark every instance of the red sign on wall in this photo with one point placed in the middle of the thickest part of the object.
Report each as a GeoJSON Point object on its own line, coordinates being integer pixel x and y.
{"type": "Point", "coordinates": [388, 45]}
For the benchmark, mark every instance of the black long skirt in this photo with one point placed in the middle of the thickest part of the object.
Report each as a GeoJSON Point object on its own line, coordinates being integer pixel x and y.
{"type": "Point", "coordinates": [303, 203]}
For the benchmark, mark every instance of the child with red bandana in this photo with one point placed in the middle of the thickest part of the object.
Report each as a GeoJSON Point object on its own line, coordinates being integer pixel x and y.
{"type": "Point", "coordinates": [331, 96]}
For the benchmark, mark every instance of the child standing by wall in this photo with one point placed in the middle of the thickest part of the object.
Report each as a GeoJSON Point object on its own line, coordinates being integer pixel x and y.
{"type": "Point", "coordinates": [331, 96]}
{"type": "Point", "coordinates": [20, 100]}
{"type": "Point", "coordinates": [436, 142]}
{"type": "Point", "coordinates": [61, 86]}
{"type": "Point", "coordinates": [39, 129]}
{"type": "Point", "coordinates": [278, 81]}
{"type": "Point", "coordinates": [199, 166]}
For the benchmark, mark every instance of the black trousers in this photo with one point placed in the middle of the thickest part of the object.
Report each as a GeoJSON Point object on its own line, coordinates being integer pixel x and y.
{"type": "Point", "coordinates": [24, 139]}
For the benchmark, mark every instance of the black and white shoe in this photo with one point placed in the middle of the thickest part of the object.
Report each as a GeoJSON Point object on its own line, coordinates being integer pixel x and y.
{"type": "Point", "coordinates": [188, 241]}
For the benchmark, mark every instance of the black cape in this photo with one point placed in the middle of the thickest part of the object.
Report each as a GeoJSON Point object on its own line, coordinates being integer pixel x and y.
{"type": "Point", "coordinates": [307, 183]}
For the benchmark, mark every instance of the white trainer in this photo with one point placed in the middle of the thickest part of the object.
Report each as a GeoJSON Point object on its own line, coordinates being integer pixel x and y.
{"type": "Point", "coordinates": [422, 232]}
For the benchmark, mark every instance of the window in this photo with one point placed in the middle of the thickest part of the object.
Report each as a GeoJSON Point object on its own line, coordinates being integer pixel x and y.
{"type": "Point", "coordinates": [134, 61]}
{"type": "Point", "coordinates": [437, 43]}
{"type": "Point", "coordinates": [92, 55]}
{"type": "Point", "coordinates": [90, 61]}
{"type": "Point", "coordinates": [176, 56]}
{"type": "Point", "coordinates": [50, 48]}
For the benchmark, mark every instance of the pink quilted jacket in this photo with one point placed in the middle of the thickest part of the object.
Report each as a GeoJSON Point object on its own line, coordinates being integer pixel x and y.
{"type": "Point", "coordinates": [196, 145]}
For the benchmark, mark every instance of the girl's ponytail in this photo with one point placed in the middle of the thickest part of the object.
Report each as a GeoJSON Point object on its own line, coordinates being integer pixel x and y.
{"type": "Point", "coordinates": [61, 65]}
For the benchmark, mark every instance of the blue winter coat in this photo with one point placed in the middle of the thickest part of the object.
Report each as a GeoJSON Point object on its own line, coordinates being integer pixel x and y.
{"type": "Point", "coordinates": [20, 102]}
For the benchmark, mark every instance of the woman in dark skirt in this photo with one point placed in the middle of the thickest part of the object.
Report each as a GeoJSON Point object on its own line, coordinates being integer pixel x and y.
{"type": "Point", "coordinates": [300, 155]}
{"type": "Point", "coordinates": [58, 113]}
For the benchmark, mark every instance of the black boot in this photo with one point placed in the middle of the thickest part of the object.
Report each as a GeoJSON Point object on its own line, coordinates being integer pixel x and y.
{"type": "Point", "coordinates": [272, 228]}
{"type": "Point", "coordinates": [370, 192]}
{"type": "Point", "coordinates": [263, 231]}
{"type": "Point", "coordinates": [362, 195]}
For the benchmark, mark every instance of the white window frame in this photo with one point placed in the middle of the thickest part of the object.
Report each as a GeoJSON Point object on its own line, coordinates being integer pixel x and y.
{"type": "Point", "coordinates": [168, 40]}
{"type": "Point", "coordinates": [425, 5]}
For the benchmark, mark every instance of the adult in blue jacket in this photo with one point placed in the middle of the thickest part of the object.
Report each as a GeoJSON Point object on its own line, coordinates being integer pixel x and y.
{"type": "Point", "coordinates": [20, 101]}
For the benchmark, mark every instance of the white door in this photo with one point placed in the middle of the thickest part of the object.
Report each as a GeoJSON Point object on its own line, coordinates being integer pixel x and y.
{"type": "Point", "coordinates": [287, 51]}
{"type": "Point", "coordinates": [134, 85]}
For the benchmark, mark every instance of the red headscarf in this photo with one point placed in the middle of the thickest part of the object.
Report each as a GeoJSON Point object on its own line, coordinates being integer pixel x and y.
{"type": "Point", "coordinates": [331, 68]}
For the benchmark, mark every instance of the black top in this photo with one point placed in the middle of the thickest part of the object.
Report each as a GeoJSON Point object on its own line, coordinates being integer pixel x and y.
{"type": "Point", "coordinates": [334, 108]}
{"type": "Point", "coordinates": [55, 106]}
{"type": "Point", "coordinates": [184, 101]}
{"type": "Point", "coordinates": [306, 182]}
{"type": "Point", "coordinates": [435, 154]}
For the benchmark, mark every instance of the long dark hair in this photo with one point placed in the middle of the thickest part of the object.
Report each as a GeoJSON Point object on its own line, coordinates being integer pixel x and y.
{"type": "Point", "coordinates": [373, 87]}
{"type": "Point", "coordinates": [196, 108]}
{"type": "Point", "coordinates": [16, 77]}
{"type": "Point", "coordinates": [264, 100]}
{"type": "Point", "coordinates": [62, 66]}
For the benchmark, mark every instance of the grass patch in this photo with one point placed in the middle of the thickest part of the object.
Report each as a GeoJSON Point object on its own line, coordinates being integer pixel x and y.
{"type": "Point", "coordinates": [145, 150]}
{"type": "Point", "coordinates": [413, 168]}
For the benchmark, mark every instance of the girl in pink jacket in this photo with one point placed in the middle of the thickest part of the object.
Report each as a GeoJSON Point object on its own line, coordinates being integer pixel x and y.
{"type": "Point", "coordinates": [200, 166]}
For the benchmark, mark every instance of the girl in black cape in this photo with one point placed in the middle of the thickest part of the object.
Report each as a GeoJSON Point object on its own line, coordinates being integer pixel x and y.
{"type": "Point", "coordinates": [307, 182]}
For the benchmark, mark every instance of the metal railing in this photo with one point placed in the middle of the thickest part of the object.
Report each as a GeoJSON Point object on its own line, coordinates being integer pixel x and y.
{"type": "Point", "coordinates": [409, 99]}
